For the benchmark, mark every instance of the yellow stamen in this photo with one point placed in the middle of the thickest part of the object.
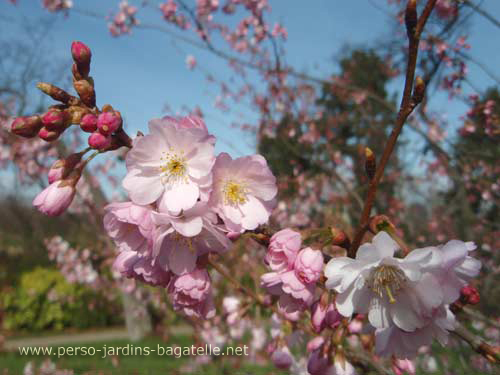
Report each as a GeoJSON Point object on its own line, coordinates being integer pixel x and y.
{"type": "Point", "coordinates": [235, 193]}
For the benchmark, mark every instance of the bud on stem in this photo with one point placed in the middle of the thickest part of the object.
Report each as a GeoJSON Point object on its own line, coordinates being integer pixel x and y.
{"type": "Point", "coordinates": [418, 90]}
{"type": "Point", "coordinates": [27, 126]}
{"type": "Point", "coordinates": [370, 163]}
{"type": "Point", "coordinates": [411, 18]}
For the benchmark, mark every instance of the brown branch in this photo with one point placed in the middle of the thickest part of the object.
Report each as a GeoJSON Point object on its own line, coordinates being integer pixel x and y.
{"type": "Point", "coordinates": [479, 346]}
{"type": "Point", "coordinates": [406, 108]}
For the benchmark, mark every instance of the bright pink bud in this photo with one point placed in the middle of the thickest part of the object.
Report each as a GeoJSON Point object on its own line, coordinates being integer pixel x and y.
{"type": "Point", "coordinates": [26, 126]}
{"type": "Point", "coordinates": [81, 55]}
{"type": "Point", "coordinates": [55, 120]}
{"type": "Point", "coordinates": [88, 123]}
{"type": "Point", "coordinates": [109, 122]}
{"type": "Point", "coordinates": [403, 367]}
{"type": "Point", "coordinates": [309, 265]}
{"type": "Point", "coordinates": [469, 295]}
{"type": "Point", "coordinates": [63, 167]}
{"type": "Point", "coordinates": [55, 199]}
{"type": "Point", "coordinates": [282, 358]}
{"type": "Point", "coordinates": [99, 141]}
{"type": "Point", "coordinates": [47, 135]}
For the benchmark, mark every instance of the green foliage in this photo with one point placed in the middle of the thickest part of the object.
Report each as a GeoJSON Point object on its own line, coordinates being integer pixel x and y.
{"type": "Point", "coordinates": [45, 300]}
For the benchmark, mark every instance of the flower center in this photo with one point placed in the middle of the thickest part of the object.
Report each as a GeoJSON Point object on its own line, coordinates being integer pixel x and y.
{"type": "Point", "coordinates": [387, 279]}
{"type": "Point", "coordinates": [184, 241]}
{"type": "Point", "coordinates": [173, 168]}
{"type": "Point", "coordinates": [235, 193]}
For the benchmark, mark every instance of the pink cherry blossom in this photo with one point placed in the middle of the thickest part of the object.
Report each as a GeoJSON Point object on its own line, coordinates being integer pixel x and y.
{"type": "Point", "coordinates": [141, 267]}
{"type": "Point", "coordinates": [192, 293]}
{"type": "Point", "coordinates": [130, 226]}
{"type": "Point", "coordinates": [309, 265]}
{"type": "Point", "coordinates": [172, 166]}
{"type": "Point", "coordinates": [283, 248]}
{"type": "Point", "coordinates": [243, 192]}
{"type": "Point", "coordinates": [180, 253]}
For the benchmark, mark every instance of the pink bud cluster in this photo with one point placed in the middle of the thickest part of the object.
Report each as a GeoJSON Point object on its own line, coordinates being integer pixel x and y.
{"type": "Point", "coordinates": [105, 128]}
{"type": "Point", "coordinates": [185, 203]}
{"type": "Point", "coordinates": [294, 275]}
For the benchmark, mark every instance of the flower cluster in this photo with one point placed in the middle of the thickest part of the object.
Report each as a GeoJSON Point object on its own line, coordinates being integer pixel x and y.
{"type": "Point", "coordinates": [407, 300]}
{"type": "Point", "coordinates": [295, 272]}
{"type": "Point", "coordinates": [184, 204]}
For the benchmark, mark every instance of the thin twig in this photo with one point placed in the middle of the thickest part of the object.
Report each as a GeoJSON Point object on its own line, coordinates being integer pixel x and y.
{"type": "Point", "coordinates": [406, 108]}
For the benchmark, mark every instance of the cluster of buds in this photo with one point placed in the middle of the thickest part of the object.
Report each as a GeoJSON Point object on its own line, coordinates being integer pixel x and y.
{"type": "Point", "coordinates": [104, 125]}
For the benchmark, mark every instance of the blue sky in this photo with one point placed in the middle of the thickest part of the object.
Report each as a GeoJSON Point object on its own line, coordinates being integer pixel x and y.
{"type": "Point", "coordinates": [138, 74]}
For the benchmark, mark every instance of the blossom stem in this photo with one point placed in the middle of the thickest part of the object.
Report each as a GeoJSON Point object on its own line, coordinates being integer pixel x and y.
{"type": "Point", "coordinates": [406, 108]}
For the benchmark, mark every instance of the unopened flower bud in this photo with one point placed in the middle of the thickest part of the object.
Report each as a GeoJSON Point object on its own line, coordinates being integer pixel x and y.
{"type": "Point", "coordinates": [85, 91]}
{"type": "Point", "coordinates": [55, 120]}
{"type": "Point", "coordinates": [469, 295]}
{"type": "Point", "coordinates": [370, 163]}
{"type": "Point", "coordinates": [82, 56]}
{"type": "Point", "coordinates": [63, 167]}
{"type": "Point", "coordinates": [88, 123]}
{"type": "Point", "coordinates": [418, 90]}
{"type": "Point", "coordinates": [340, 238]}
{"type": "Point", "coordinates": [99, 141]}
{"type": "Point", "coordinates": [55, 199]}
{"type": "Point", "coordinates": [48, 135]}
{"type": "Point", "coordinates": [109, 122]}
{"type": "Point", "coordinates": [26, 126]}
{"type": "Point", "coordinates": [411, 18]}
{"type": "Point", "coordinates": [55, 92]}
{"type": "Point", "coordinates": [381, 223]}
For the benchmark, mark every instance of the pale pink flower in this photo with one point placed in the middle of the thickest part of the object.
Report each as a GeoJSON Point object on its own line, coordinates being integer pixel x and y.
{"type": "Point", "coordinates": [283, 248]}
{"type": "Point", "coordinates": [243, 192]}
{"type": "Point", "coordinates": [132, 264]}
{"type": "Point", "coordinates": [55, 198]}
{"type": "Point", "coordinates": [456, 269]}
{"type": "Point", "coordinates": [392, 291]}
{"type": "Point", "coordinates": [172, 166]}
{"type": "Point", "coordinates": [179, 253]}
{"type": "Point", "coordinates": [309, 265]}
{"type": "Point", "coordinates": [402, 344]}
{"type": "Point", "coordinates": [130, 226]}
{"type": "Point", "coordinates": [191, 292]}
